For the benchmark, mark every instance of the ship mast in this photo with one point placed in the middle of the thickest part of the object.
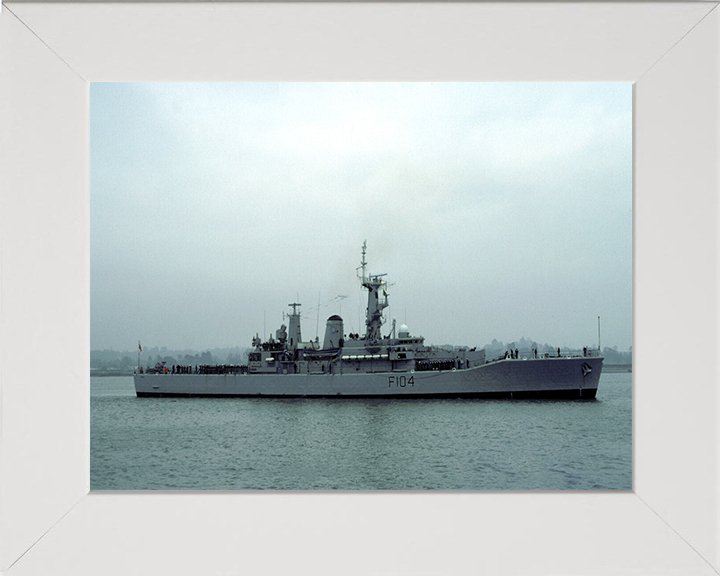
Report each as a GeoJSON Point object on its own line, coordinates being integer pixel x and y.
{"type": "Point", "coordinates": [376, 303]}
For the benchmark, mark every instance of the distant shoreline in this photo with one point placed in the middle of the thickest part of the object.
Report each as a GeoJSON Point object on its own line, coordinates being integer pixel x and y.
{"type": "Point", "coordinates": [617, 368]}
{"type": "Point", "coordinates": [111, 372]}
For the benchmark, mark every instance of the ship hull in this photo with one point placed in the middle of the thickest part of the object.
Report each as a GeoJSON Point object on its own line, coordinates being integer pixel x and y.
{"type": "Point", "coordinates": [572, 377]}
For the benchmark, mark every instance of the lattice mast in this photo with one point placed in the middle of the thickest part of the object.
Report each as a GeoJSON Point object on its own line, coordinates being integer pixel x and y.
{"type": "Point", "coordinates": [376, 302]}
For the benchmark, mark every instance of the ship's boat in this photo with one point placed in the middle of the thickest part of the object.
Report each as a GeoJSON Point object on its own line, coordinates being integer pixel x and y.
{"type": "Point", "coordinates": [372, 365]}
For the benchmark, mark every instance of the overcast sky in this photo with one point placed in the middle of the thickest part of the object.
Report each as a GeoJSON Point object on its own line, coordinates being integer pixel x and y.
{"type": "Point", "coordinates": [498, 211]}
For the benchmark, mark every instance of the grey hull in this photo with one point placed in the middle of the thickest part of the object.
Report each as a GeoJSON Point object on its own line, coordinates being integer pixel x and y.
{"type": "Point", "coordinates": [571, 377]}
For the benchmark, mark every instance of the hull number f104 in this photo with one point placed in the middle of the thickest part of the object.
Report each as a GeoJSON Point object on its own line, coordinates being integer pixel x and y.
{"type": "Point", "coordinates": [400, 381]}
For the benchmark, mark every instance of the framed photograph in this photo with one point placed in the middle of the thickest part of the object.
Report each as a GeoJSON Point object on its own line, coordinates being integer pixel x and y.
{"type": "Point", "coordinates": [49, 55]}
{"type": "Point", "coordinates": [357, 263]}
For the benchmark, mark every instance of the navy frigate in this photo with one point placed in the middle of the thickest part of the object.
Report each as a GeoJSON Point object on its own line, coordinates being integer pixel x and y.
{"type": "Point", "coordinates": [398, 365]}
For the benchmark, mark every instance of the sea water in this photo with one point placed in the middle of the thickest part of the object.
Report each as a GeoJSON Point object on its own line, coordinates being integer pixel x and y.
{"type": "Point", "coordinates": [369, 444]}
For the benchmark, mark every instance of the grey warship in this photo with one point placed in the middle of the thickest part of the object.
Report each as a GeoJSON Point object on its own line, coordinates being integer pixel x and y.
{"type": "Point", "coordinates": [398, 365]}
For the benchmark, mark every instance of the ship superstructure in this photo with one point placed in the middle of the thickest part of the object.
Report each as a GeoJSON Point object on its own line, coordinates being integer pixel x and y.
{"type": "Point", "coordinates": [340, 353]}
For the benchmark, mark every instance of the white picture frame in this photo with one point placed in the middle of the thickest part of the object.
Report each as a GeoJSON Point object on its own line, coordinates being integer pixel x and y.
{"type": "Point", "coordinates": [49, 522]}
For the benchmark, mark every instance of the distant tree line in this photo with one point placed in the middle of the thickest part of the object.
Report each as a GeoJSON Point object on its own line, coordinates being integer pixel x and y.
{"type": "Point", "coordinates": [613, 356]}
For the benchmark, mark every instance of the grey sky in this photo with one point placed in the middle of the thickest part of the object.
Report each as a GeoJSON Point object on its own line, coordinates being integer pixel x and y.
{"type": "Point", "coordinates": [497, 210]}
